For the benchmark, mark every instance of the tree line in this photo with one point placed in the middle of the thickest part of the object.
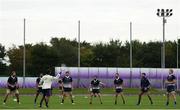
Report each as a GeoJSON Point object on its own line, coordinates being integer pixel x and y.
{"type": "Point", "coordinates": [114, 53]}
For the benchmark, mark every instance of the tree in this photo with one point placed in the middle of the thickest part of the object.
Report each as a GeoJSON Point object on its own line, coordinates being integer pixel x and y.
{"type": "Point", "coordinates": [86, 57]}
{"type": "Point", "coordinates": [107, 55]}
{"type": "Point", "coordinates": [43, 58]}
{"type": "Point", "coordinates": [16, 59]}
{"type": "Point", "coordinates": [3, 67]}
{"type": "Point", "coordinates": [15, 55]}
{"type": "Point", "coordinates": [40, 57]}
{"type": "Point", "coordinates": [66, 51]}
{"type": "Point", "coordinates": [171, 54]}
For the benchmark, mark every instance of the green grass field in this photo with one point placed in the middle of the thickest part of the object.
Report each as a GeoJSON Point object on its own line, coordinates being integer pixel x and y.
{"type": "Point", "coordinates": [85, 91]}
{"type": "Point", "coordinates": [82, 102]}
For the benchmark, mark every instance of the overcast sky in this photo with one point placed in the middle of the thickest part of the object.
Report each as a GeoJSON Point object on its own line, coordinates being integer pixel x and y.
{"type": "Point", "coordinates": [101, 20]}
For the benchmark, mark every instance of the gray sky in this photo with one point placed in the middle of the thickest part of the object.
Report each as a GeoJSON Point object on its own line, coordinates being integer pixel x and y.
{"type": "Point", "coordinates": [101, 20]}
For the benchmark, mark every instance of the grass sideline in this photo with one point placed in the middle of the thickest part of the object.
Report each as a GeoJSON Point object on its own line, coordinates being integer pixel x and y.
{"type": "Point", "coordinates": [82, 102]}
{"type": "Point", "coordinates": [132, 91]}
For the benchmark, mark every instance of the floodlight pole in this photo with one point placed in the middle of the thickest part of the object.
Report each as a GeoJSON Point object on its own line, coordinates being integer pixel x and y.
{"type": "Point", "coordinates": [130, 54]}
{"type": "Point", "coordinates": [79, 53]}
{"type": "Point", "coordinates": [177, 63]}
{"type": "Point", "coordinates": [79, 45]}
{"type": "Point", "coordinates": [163, 52]}
{"type": "Point", "coordinates": [163, 55]}
{"type": "Point", "coordinates": [177, 54]}
{"type": "Point", "coordinates": [24, 53]}
{"type": "Point", "coordinates": [163, 13]}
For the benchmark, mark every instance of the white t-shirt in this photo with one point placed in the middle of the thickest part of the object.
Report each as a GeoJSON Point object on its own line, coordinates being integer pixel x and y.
{"type": "Point", "coordinates": [46, 81]}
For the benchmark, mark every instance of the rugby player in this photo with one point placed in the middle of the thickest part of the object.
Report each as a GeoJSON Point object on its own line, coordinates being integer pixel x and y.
{"type": "Point", "coordinates": [60, 88]}
{"type": "Point", "coordinates": [38, 87]}
{"type": "Point", "coordinates": [67, 87]}
{"type": "Point", "coordinates": [171, 82]}
{"type": "Point", "coordinates": [95, 85]}
{"type": "Point", "coordinates": [118, 84]}
{"type": "Point", "coordinates": [145, 87]}
{"type": "Point", "coordinates": [46, 82]}
{"type": "Point", "coordinates": [12, 87]}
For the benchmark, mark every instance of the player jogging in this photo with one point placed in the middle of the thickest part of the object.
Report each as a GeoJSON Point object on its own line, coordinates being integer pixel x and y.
{"type": "Point", "coordinates": [12, 87]}
{"type": "Point", "coordinates": [171, 82]}
{"type": "Point", "coordinates": [145, 86]}
{"type": "Point", "coordinates": [38, 87]}
{"type": "Point", "coordinates": [46, 82]}
{"type": "Point", "coordinates": [67, 87]}
{"type": "Point", "coordinates": [118, 84]}
{"type": "Point", "coordinates": [95, 85]}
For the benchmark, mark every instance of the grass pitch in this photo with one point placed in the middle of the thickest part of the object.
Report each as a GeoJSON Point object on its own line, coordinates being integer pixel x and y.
{"type": "Point", "coordinates": [82, 101]}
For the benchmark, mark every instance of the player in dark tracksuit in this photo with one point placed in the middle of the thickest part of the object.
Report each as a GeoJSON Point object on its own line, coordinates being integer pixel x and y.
{"type": "Point", "coordinates": [67, 87]}
{"type": "Point", "coordinates": [171, 82]}
{"type": "Point", "coordinates": [145, 86]}
{"type": "Point", "coordinates": [38, 87]}
{"type": "Point", "coordinates": [95, 86]}
{"type": "Point", "coordinates": [118, 84]}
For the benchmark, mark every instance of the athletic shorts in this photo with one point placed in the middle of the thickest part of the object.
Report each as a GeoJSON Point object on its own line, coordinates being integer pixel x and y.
{"type": "Point", "coordinates": [46, 92]}
{"type": "Point", "coordinates": [12, 88]}
{"type": "Point", "coordinates": [67, 89]}
{"type": "Point", "coordinates": [94, 91]}
{"type": "Point", "coordinates": [170, 88]}
{"type": "Point", "coordinates": [60, 87]}
{"type": "Point", "coordinates": [39, 90]}
{"type": "Point", "coordinates": [119, 90]}
{"type": "Point", "coordinates": [10, 91]}
{"type": "Point", "coordinates": [144, 89]}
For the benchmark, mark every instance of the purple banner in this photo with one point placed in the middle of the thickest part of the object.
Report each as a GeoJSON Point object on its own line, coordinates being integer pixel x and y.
{"type": "Point", "coordinates": [157, 76]}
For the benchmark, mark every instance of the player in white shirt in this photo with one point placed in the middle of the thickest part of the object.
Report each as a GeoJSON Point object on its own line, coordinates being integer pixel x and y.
{"type": "Point", "coordinates": [46, 82]}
